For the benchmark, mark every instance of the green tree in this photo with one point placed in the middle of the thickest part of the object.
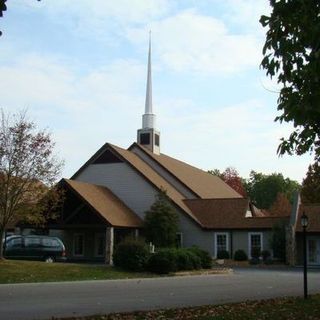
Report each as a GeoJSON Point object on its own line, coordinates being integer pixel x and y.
{"type": "Point", "coordinates": [292, 55]}
{"type": "Point", "coordinates": [28, 172]}
{"type": "Point", "coordinates": [161, 222]}
{"type": "Point", "coordinates": [310, 191]}
{"type": "Point", "coordinates": [278, 241]}
{"type": "Point", "coordinates": [263, 189]}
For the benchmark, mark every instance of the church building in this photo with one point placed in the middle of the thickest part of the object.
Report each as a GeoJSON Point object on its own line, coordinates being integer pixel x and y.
{"type": "Point", "coordinates": [106, 199]}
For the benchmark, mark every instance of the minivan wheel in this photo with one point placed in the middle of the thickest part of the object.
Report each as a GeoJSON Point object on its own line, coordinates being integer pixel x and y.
{"type": "Point", "coordinates": [49, 259]}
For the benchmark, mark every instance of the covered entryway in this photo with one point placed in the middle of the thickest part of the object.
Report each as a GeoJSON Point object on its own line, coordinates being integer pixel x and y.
{"type": "Point", "coordinates": [92, 221]}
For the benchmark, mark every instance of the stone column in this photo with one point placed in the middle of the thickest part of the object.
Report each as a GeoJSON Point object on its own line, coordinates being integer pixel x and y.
{"type": "Point", "coordinates": [136, 233]}
{"type": "Point", "coordinates": [109, 245]}
{"type": "Point", "coordinates": [290, 245]}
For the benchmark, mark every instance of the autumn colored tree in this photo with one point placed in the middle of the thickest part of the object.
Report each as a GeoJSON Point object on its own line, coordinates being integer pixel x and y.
{"type": "Point", "coordinates": [281, 207]}
{"type": "Point", "coordinates": [310, 191]}
{"type": "Point", "coordinates": [161, 222]}
{"type": "Point", "coordinates": [231, 177]}
{"type": "Point", "coordinates": [263, 189]}
{"type": "Point", "coordinates": [28, 172]}
{"type": "Point", "coordinates": [292, 55]}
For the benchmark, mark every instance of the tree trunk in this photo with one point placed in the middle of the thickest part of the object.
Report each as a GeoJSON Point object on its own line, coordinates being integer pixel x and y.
{"type": "Point", "coordinates": [1, 243]}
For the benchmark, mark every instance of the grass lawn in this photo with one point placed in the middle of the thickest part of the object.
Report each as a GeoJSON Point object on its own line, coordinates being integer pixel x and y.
{"type": "Point", "coordinates": [14, 271]}
{"type": "Point", "coordinates": [275, 309]}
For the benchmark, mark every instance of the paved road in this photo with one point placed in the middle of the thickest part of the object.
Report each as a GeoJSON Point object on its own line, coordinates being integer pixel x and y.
{"type": "Point", "coordinates": [44, 300]}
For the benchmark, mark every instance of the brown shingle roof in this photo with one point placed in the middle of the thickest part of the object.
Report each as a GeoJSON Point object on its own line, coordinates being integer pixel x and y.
{"type": "Point", "coordinates": [105, 203]}
{"type": "Point", "coordinates": [151, 175]}
{"type": "Point", "coordinates": [313, 213]}
{"type": "Point", "coordinates": [202, 183]}
{"type": "Point", "coordinates": [227, 214]}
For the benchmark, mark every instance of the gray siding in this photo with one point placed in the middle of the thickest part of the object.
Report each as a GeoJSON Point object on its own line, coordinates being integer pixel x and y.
{"type": "Point", "coordinates": [240, 240]}
{"type": "Point", "coordinates": [194, 235]}
{"type": "Point", "coordinates": [165, 174]}
{"type": "Point", "coordinates": [124, 182]}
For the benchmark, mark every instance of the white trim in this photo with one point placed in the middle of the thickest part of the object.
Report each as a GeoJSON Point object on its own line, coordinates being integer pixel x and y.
{"type": "Point", "coordinates": [216, 234]}
{"type": "Point", "coordinates": [74, 244]}
{"type": "Point", "coordinates": [249, 241]}
{"type": "Point", "coordinates": [317, 262]}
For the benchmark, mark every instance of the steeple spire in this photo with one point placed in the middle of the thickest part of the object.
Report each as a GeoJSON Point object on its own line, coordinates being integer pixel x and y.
{"type": "Point", "coordinates": [148, 135]}
{"type": "Point", "coordinates": [148, 105]}
{"type": "Point", "coordinates": [149, 119]}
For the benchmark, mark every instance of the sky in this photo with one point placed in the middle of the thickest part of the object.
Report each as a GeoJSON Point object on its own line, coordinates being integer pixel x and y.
{"type": "Point", "coordinates": [80, 69]}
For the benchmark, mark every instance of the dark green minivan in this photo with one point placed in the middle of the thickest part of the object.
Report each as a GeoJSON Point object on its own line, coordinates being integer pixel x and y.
{"type": "Point", "coordinates": [48, 249]}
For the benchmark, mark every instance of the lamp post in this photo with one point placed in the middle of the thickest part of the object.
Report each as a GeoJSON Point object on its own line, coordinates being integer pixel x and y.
{"type": "Point", "coordinates": [304, 224]}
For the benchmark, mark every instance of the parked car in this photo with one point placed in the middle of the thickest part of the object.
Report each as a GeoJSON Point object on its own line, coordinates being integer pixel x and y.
{"type": "Point", "coordinates": [48, 249]}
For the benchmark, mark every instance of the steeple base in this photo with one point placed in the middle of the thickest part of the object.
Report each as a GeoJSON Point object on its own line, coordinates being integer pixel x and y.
{"type": "Point", "coordinates": [149, 138]}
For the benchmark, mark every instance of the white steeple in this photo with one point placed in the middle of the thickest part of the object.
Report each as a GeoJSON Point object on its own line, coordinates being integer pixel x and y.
{"type": "Point", "coordinates": [149, 119]}
{"type": "Point", "coordinates": [148, 136]}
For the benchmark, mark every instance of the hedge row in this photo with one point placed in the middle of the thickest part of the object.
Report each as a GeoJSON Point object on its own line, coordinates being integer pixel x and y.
{"type": "Point", "coordinates": [134, 255]}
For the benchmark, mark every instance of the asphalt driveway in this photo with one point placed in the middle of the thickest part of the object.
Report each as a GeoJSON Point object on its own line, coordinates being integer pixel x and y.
{"type": "Point", "coordinates": [47, 300]}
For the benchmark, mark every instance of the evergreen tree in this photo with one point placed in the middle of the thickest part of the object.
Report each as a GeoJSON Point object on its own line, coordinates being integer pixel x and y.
{"type": "Point", "coordinates": [161, 222]}
{"type": "Point", "coordinates": [310, 192]}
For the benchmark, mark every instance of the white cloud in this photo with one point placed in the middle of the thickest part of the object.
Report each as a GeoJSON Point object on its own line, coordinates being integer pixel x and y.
{"type": "Point", "coordinates": [191, 42]}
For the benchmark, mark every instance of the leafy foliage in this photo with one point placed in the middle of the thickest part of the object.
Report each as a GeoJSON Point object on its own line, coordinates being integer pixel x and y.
{"type": "Point", "coordinates": [223, 254]}
{"type": "Point", "coordinates": [161, 222]}
{"type": "Point", "coordinates": [205, 258]}
{"type": "Point", "coordinates": [240, 255]}
{"type": "Point", "coordinates": [310, 191]}
{"type": "Point", "coordinates": [28, 170]}
{"type": "Point", "coordinates": [278, 241]}
{"type": "Point", "coordinates": [172, 259]}
{"type": "Point", "coordinates": [281, 207]}
{"type": "Point", "coordinates": [131, 254]}
{"type": "Point", "coordinates": [292, 54]}
{"type": "Point", "coordinates": [263, 189]}
{"type": "Point", "coordinates": [164, 261]}
{"type": "Point", "coordinates": [231, 177]}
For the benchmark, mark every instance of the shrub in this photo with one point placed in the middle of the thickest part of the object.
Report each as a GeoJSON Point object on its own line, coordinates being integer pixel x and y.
{"type": "Point", "coordinates": [255, 253]}
{"type": "Point", "coordinates": [254, 261]}
{"type": "Point", "coordinates": [204, 256]}
{"type": "Point", "coordinates": [240, 255]}
{"type": "Point", "coordinates": [163, 261]}
{"type": "Point", "coordinates": [223, 254]}
{"type": "Point", "coordinates": [186, 259]}
{"type": "Point", "coordinates": [265, 255]}
{"type": "Point", "coordinates": [131, 254]}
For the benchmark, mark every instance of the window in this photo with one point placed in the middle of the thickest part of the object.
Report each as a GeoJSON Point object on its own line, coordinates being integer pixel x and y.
{"type": "Point", "coordinates": [145, 138]}
{"type": "Point", "coordinates": [157, 140]}
{"type": "Point", "coordinates": [32, 242]}
{"type": "Point", "coordinates": [53, 243]}
{"type": "Point", "coordinates": [99, 246]}
{"type": "Point", "coordinates": [14, 243]}
{"type": "Point", "coordinates": [255, 242]}
{"type": "Point", "coordinates": [221, 242]}
{"type": "Point", "coordinates": [78, 244]}
{"type": "Point", "coordinates": [179, 240]}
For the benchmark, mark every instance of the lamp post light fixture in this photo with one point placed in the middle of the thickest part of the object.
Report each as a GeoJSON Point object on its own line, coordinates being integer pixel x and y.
{"type": "Point", "coordinates": [304, 224]}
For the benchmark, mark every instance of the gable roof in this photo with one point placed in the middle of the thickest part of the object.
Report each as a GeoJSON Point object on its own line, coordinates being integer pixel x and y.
{"type": "Point", "coordinates": [227, 214]}
{"type": "Point", "coordinates": [202, 183]}
{"type": "Point", "coordinates": [145, 171]}
{"type": "Point", "coordinates": [105, 203]}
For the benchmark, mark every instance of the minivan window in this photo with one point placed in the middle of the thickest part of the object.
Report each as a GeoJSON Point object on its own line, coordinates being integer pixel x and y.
{"type": "Point", "coordinates": [32, 242]}
{"type": "Point", "coordinates": [14, 243]}
{"type": "Point", "coordinates": [50, 242]}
